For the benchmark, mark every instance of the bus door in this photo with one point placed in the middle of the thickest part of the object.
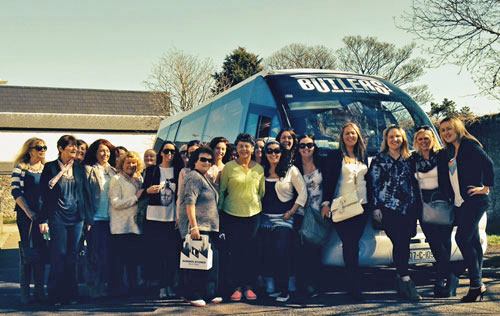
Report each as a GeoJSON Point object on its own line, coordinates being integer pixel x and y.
{"type": "Point", "coordinates": [262, 121]}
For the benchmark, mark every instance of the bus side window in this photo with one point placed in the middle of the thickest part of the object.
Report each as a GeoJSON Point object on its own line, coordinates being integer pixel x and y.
{"type": "Point", "coordinates": [258, 125]}
{"type": "Point", "coordinates": [173, 131]}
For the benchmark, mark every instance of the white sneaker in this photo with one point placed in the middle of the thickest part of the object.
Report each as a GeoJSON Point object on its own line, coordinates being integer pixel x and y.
{"type": "Point", "coordinates": [198, 303]}
{"type": "Point", "coordinates": [216, 300]}
{"type": "Point", "coordinates": [282, 298]}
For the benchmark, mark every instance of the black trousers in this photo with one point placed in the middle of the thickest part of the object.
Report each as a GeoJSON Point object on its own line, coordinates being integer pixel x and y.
{"type": "Point", "coordinates": [200, 283]}
{"type": "Point", "coordinates": [125, 255]}
{"type": "Point", "coordinates": [240, 257]}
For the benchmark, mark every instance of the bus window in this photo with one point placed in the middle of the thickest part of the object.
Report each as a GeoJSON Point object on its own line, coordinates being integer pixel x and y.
{"type": "Point", "coordinates": [224, 120]}
{"type": "Point", "coordinates": [192, 126]}
{"type": "Point", "coordinates": [258, 125]}
{"type": "Point", "coordinates": [172, 131]}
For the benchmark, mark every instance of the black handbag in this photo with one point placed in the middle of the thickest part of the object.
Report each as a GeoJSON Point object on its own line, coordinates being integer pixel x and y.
{"type": "Point", "coordinates": [27, 252]}
{"type": "Point", "coordinates": [314, 227]}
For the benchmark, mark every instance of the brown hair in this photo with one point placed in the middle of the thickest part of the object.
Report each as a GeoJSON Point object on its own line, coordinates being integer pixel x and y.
{"type": "Point", "coordinates": [359, 148]}
{"type": "Point", "coordinates": [459, 128]}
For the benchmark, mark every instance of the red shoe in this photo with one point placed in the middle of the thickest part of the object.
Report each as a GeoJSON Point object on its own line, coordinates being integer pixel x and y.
{"type": "Point", "coordinates": [236, 297]}
{"type": "Point", "coordinates": [250, 295]}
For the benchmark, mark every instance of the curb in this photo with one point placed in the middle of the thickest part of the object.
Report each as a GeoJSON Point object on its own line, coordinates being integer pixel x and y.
{"type": "Point", "coordinates": [3, 239]}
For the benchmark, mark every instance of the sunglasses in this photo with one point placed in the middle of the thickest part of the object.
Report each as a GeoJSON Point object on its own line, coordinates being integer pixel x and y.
{"type": "Point", "coordinates": [424, 127]}
{"type": "Point", "coordinates": [270, 151]}
{"type": "Point", "coordinates": [205, 159]}
{"type": "Point", "coordinates": [304, 145]}
{"type": "Point", "coordinates": [167, 151]}
{"type": "Point", "coordinates": [183, 152]}
{"type": "Point", "coordinates": [39, 148]}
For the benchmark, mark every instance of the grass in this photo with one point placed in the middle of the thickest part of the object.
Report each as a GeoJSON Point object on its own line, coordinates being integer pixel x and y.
{"type": "Point", "coordinates": [494, 240]}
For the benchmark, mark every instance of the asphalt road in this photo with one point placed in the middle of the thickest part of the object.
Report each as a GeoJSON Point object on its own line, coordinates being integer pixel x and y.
{"type": "Point", "coordinates": [380, 298]}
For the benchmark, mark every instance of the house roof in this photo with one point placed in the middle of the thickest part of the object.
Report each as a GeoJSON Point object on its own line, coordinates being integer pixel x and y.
{"type": "Point", "coordinates": [20, 99]}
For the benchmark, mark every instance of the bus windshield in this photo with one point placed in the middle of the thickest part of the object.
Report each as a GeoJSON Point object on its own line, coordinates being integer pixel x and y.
{"type": "Point", "coordinates": [319, 104]}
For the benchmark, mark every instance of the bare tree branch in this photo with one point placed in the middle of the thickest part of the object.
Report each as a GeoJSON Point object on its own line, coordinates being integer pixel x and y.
{"type": "Point", "coordinates": [301, 56]}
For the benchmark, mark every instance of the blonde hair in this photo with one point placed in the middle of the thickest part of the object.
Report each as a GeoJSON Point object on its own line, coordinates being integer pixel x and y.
{"type": "Point", "coordinates": [435, 146]}
{"type": "Point", "coordinates": [23, 157]}
{"type": "Point", "coordinates": [359, 148]}
{"type": "Point", "coordinates": [459, 128]}
{"type": "Point", "coordinates": [132, 155]}
{"type": "Point", "coordinates": [404, 149]}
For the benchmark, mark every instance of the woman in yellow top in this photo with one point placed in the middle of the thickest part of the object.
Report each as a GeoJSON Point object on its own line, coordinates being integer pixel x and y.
{"type": "Point", "coordinates": [241, 189]}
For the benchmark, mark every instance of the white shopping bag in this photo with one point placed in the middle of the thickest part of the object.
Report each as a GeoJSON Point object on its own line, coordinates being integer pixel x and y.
{"type": "Point", "coordinates": [196, 254]}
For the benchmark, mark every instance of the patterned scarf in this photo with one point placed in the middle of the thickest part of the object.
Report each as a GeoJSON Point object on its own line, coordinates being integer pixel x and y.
{"type": "Point", "coordinates": [65, 169]}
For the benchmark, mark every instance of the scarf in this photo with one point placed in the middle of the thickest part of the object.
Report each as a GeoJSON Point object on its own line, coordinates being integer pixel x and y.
{"type": "Point", "coordinates": [65, 169]}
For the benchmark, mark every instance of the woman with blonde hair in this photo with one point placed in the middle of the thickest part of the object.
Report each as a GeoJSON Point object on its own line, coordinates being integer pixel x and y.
{"type": "Point", "coordinates": [429, 166]}
{"type": "Point", "coordinates": [393, 196]}
{"type": "Point", "coordinates": [25, 187]}
{"type": "Point", "coordinates": [471, 174]}
{"type": "Point", "coordinates": [125, 188]}
{"type": "Point", "coordinates": [347, 172]}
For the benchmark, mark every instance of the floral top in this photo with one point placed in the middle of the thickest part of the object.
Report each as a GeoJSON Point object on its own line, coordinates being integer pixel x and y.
{"type": "Point", "coordinates": [313, 182]}
{"type": "Point", "coordinates": [393, 185]}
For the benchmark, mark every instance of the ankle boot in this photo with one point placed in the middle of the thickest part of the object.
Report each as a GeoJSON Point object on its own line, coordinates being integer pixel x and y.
{"type": "Point", "coordinates": [408, 290]}
{"type": "Point", "coordinates": [24, 282]}
{"type": "Point", "coordinates": [452, 284]}
{"type": "Point", "coordinates": [39, 278]}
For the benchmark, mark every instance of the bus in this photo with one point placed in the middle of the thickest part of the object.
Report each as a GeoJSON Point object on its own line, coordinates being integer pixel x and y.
{"type": "Point", "coordinates": [314, 102]}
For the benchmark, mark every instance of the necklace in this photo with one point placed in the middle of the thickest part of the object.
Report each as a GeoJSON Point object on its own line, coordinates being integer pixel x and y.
{"type": "Point", "coordinates": [36, 168]}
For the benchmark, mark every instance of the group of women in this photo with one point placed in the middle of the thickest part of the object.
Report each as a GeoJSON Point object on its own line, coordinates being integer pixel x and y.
{"type": "Point", "coordinates": [251, 206]}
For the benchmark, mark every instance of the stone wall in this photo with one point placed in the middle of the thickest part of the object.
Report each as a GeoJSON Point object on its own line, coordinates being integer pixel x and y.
{"type": "Point", "coordinates": [7, 202]}
{"type": "Point", "coordinates": [487, 131]}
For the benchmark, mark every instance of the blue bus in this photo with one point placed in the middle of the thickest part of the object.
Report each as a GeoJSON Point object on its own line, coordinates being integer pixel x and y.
{"type": "Point", "coordinates": [314, 102]}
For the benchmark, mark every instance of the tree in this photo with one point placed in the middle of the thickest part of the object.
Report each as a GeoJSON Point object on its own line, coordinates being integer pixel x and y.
{"type": "Point", "coordinates": [179, 82]}
{"type": "Point", "coordinates": [237, 66]}
{"type": "Point", "coordinates": [448, 108]}
{"type": "Point", "coordinates": [462, 32]}
{"type": "Point", "coordinates": [297, 55]}
{"type": "Point", "coordinates": [369, 56]}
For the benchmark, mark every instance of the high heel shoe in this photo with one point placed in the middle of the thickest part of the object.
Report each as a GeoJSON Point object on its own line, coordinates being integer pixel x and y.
{"type": "Point", "coordinates": [473, 294]}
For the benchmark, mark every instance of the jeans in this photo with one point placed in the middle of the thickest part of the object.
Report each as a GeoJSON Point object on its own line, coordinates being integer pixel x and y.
{"type": "Point", "coordinates": [64, 239]}
{"type": "Point", "coordinates": [439, 239]}
{"type": "Point", "coordinates": [277, 248]}
{"type": "Point", "coordinates": [240, 257]}
{"type": "Point", "coordinates": [400, 229]}
{"type": "Point", "coordinates": [467, 218]}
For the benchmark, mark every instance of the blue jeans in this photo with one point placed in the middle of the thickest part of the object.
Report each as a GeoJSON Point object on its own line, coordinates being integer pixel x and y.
{"type": "Point", "coordinates": [64, 239]}
{"type": "Point", "coordinates": [467, 218]}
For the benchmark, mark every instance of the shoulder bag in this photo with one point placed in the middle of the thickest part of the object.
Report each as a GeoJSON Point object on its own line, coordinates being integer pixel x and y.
{"type": "Point", "coordinates": [347, 206]}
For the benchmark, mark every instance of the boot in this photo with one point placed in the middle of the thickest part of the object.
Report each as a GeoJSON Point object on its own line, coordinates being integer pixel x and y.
{"type": "Point", "coordinates": [24, 282]}
{"type": "Point", "coordinates": [408, 291]}
{"type": "Point", "coordinates": [39, 276]}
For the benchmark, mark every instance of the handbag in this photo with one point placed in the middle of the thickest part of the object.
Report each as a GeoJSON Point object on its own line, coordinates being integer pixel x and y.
{"type": "Point", "coordinates": [438, 212]}
{"type": "Point", "coordinates": [347, 206]}
{"type": "Point", "coordinates": [314, 228]}
{"type": "Point", "coordinates": [27, 253]}
{"type": "Point", "coordinates": [196, 254]}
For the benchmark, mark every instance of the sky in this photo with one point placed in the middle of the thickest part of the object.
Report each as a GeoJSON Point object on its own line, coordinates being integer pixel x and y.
{"type": "Point", "coordinates": [110, 44]}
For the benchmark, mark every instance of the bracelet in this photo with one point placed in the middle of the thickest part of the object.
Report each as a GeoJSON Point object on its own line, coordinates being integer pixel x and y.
{"type": "Point", "coordinates": [193, 228]}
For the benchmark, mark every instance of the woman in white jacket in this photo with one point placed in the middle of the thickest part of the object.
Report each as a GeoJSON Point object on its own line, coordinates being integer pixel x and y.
{"type": "Point", "coordinates": [283, 184]}
{"type": "Point", "coordinates": [124, 192]}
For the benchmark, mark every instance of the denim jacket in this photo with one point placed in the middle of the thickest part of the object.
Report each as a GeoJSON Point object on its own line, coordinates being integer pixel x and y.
{"type": "Point", "coordinates": [393, 185]}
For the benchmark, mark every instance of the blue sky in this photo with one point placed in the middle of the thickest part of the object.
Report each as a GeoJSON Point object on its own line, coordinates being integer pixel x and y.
{"type": "Point", "coordinates": [113, 44]}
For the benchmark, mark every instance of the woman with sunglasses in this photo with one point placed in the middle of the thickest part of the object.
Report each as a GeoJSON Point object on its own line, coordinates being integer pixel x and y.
{"type": "Point", "coordinates": [221, 149]}
{"type": "Point", "coordinates": [347, 172]}
{"type": "Point", "coordinates": [393, 193]}
{"type": "Point", "coordinates": [160, 231]}
{"type": "Point", "coordinates": [278, 210]}
{"type": "Point", "coordinates": [198, 216]}
{"type": "Point", "coordinates": [99, 164]}
{"type": "Point", "coordinates": [471, 174]}
{"type": "Point", "coordinates": [241, 188]}
{"type": "Point", "coordinates": [309, 255]}
{"type": "Point", "coordinates": [429, 163]}
{"type": "Point", "coordinates": [26, 191]}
